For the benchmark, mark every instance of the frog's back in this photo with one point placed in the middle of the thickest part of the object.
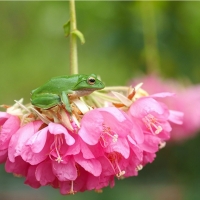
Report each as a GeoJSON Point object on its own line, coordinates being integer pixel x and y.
{"type": "Point", "coordinates": [57, 84]}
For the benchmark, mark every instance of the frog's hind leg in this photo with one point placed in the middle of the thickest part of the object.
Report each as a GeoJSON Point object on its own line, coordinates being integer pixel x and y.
{"type": "Point", "coordinates": [45, 101]}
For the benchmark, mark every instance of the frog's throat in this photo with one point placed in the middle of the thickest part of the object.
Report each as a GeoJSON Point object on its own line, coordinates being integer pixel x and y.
{"type": "Point", "coordinates": [80, 93]}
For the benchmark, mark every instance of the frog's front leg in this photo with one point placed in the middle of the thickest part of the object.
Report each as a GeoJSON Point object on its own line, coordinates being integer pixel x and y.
{"type": "Point", "coordinates": [45, 100]}
{"type": "Point", "coordinates": [65, 100]}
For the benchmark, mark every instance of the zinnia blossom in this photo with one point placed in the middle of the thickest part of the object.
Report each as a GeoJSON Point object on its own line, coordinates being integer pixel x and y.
{"type": "Point", "coordinates": [109, 134]}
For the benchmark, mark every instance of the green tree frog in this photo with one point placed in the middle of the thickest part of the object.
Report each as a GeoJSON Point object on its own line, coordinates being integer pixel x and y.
{"type": "Point", "coordinates": [59, 89]}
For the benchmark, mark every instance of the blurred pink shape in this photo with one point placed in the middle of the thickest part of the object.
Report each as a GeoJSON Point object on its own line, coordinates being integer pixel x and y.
{"type": "Point", "coordinates": [186, 100]}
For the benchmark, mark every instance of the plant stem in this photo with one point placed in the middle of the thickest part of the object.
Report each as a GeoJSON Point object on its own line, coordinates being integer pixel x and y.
{"type": "Point", "coordinates": [73, 40]}
{"type": "Point", "coordinates": [150, 37]}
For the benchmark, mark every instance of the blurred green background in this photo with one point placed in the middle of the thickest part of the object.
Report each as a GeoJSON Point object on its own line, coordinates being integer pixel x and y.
{"type": "Point", "coordinates": [123, 40]}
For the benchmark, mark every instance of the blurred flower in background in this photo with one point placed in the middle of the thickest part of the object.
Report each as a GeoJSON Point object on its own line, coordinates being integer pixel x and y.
{"type": "Point", "coordinates": [186, 100]}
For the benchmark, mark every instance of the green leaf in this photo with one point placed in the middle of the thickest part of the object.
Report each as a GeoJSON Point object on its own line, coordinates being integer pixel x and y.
{"type": "Point", "coordinates": [66, 28]}
{"type": "Point", "coordinates": [79, 35]}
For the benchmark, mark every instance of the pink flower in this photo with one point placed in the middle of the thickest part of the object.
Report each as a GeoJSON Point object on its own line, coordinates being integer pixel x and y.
{"type": "Point", "coordinates": [17, 145]}
{"type": "Point", "coordinates": [151, 119]}
{"type": "Point", "coordinates": [8, 126]}
{"type": "Point", "coordinates": [51, 141]}
{"type": "Point", "coordinates": [53, 152]}
{"type": "Point", "coordinates": [151, 116]}
{"type": "Point", "coordinates": [89, 148]}
{"type": "Point", "coordinates": [186, 100]}
{"type": "Point", "coordinates": [108, 127]}
{"type": "Point", "coordinates": [138, 137]}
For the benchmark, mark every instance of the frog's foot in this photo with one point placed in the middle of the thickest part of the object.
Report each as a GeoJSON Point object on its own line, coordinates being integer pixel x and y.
{"type": "Point", "coordinates": [45, 101]}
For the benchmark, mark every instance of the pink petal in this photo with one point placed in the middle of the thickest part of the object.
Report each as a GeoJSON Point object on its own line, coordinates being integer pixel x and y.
{"type": "Point", "coordinates": [162, 95]}
{"type": "Point", "coordinates": [114, 112]}
{"type": "Point", "coordinates": [87, 154]}
{"type": "Point", "coordinates": [97, 150]}
{"type": "Point", "coordinates": [166, 127]}
{"type": "Point", "coordinates": [91, 127]}
{"type": "Point", "coordinates": [25, 134]}
{"type": "Point", "coordinates": [176, 117]}
{"type": "Point", "coordinates": [107, 169]}
{"type": "Point", "coordinates": [121, 146]}
{"type": "Point", "coordinates": [7, 130]}
{"type": "Point", "coordinates": [137, 151]}
{"type": "Point", "coordinates": [150, 144]}
{"type": "Point", "coordinates": [148, 157]}
{"type": "Point", "coordinates": [14, 141]}
{"type": "Point", "coordinates": [18, 167]}
{"type": "Point", "coordinates": [145, 105]}
{"type": "Point", "coordinates": [31, 179]}
{"type": "Point", "coordinates": [73, 149]}
{"type": "Point", "coordinates": [117, 120]}
{"type": "Point", "coordinates": [65, 187]}
{"type": "Point", "coordinates": [44, 173]}
{"type": "Point", "coordinates": [20, 138]}
{"type": "Point", "coordinates": [3, 117]}
{"type": "Point", "coordinates": [133, 162]}
{"type": "Point", "coordinates": [65, 172]}
{"type": "Point", "coordinates": [93, 182]}
{"type": "Point", "coordinates": [3, 155]}
{"type": "Point", "coordinates": [38, 140]}
{"type": "Point", "coordinates": [93, 166]}
{"type": "Point", "coordinates": [33, 158]}
{"type": "Point", "coordinates": [59, 129]}
{"type": "Point", "coordinates": [136, 133]}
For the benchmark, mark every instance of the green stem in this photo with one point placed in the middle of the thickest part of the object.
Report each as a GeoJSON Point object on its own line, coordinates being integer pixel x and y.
{"type": "Point", "coordinates": [150, 37]}
{"type": "Point", "coordinates": [73, 40]}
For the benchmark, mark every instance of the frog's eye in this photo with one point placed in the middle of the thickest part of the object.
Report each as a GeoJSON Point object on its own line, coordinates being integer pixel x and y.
{"type": "Point", "coordinates": [91, 80]}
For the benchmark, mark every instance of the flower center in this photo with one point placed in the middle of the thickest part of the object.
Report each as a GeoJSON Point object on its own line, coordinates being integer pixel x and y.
{"type": "Point", "coordinates": [114, 159]}
{"type": "Point", "coordinates": [106, 135]}
{"type": "Point", "coordinates": [55, 148]}
{"type": "Point", "coordinates": [72, 188]}
{"type": "Point", "coordinates": [152, 124]}
{"type": "Point", "coordinates": [162, 145]}
{"type": "Point", "coordinates": [139, 167]}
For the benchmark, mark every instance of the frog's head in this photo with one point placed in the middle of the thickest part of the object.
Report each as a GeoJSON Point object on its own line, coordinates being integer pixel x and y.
{"type": "Point", "coordinates": [88, 82]}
